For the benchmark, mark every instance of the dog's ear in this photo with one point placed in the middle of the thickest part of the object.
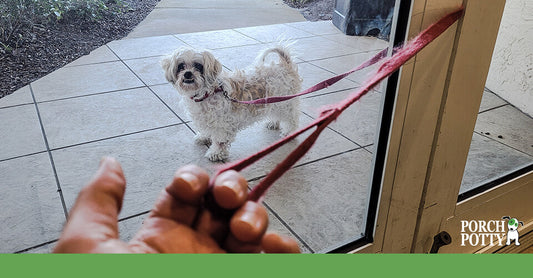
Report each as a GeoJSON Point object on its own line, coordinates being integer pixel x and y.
{"type": "Point", "coordinates": [166, 64]}
{"type": "Point", "coordinates": [212, 67]}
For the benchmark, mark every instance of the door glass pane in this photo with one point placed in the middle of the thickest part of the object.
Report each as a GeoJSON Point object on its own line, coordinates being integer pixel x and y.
{"type": "Point", "coordinates": [502, 143]}
{"type": "Point", "coordinates": [132, 113]}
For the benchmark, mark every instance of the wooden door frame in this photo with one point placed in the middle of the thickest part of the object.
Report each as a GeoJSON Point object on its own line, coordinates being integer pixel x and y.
{"type": "Point", "coordinates": [438, 97]}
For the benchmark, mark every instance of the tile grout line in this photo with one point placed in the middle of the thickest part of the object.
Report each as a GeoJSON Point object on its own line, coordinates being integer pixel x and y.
{"type": "Point", "coordinates": [115, 136]}
{"type": "Point", "coordinates": [492, 139]}
{"type": "Point", "coordinates": [338, 132]}
{"type": "Point", "coordinates": [21, 156]}
{"type": "Point", "coordinates": [306, 245]}
{"type": "Point", "coordinates": [55, 240]}
{"type": "Point", "coordinates": [93, 94]}
{"type": "Point", "coordinates": [332, 92]}
{"type": "Point", "coordinates": [59, 190]}
{"type": "Point", "coordinates": [152, 91]}
{"type": "Point", "coordinates": [16, 105]}
{"type": "Point", "coordinates": [312, 161]}
{"type": "Point", "coordinates": [35, 246]}
{"type": "Point", "coordinates": [493, 108]}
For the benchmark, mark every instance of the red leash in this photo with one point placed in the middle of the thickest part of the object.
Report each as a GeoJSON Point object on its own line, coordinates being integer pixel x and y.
{"type": "Point", "coordinates": [330, 114]}
{"type": "Point", "coordinates": [319, 86]}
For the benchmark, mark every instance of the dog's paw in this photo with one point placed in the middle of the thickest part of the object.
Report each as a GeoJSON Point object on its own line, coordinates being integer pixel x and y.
{"type": "Point", "coordinates": [272, 125]}
{"type": "Point", "coordinates": [202, 140]}
{"type": "Point", "coordinates": [217, 155]}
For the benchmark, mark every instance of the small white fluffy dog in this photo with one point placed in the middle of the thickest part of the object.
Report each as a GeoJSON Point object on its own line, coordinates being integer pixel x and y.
{"type": "Point", "coordinates": [208, 93]}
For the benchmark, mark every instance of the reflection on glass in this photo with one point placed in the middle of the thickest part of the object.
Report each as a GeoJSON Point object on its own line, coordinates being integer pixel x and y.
{"type": "Point", "coordinates": [502, 142]}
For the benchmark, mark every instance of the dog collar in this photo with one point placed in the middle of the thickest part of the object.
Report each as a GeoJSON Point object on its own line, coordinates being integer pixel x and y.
{"type": "Point", "coordinates": [217, 90]}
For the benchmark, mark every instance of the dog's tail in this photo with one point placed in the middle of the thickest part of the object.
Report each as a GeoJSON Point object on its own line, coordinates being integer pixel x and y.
{"type": "Point", "coordinates": [282, 51]}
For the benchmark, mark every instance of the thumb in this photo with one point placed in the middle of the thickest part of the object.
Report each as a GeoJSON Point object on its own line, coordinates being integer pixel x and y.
{"type": "Point", "coordinates": [94, 216]}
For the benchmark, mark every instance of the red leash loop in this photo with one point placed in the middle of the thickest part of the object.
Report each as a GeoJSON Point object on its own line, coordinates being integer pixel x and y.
{"type": "Point", "coordinates": [328, 115]}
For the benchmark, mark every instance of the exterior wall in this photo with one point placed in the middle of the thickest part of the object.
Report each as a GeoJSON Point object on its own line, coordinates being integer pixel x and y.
{"type": "Point", "coordinates": [511, 71]}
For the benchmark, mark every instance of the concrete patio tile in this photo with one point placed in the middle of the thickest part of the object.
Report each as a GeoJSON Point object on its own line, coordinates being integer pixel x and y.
{"type": "Point", "coordinates": [315, 48]}
{"type": "Point", "coordinates": [275, 225]}
{"type": "Point", "coordinates": [240, 57]}
{"type": "Point", "coordinates": [171, 20]}
{"type": "Point", "coordinates": [312, 74]}
{"type": "Point", "coordinates": [345, 63]}
{"type": "Point", "coordinates": [78, 120]}
{"type": "Point", "coordinates": [145, 47]}
{"type": "Point", "coordinates": [149, 160]}
{"type": "Point", "coordinates": [361, 43]}
{"type": "Point", "coordinates": [149, 69]}
{"type": "Point", "coordinates": [21, 132]}
{"type": "Point", "coordinates": [273, 33]}
{"type": "Point", "coordinates": [18, 97]}
{"type": "Point", "coordinates": [324, 202]}
{"type": "Point", "coordinates": [100, 55]}
{"type": "Point", "coordinates": [488, 160]}
{"type": "Point", "coordinates": [316, 27]}
{"type": "Point", "coordinates": [490, 101]}
{"type": "Point", "coordinates": [84, 80]}
{"type": "Point", "coordinates": [257, 137]}
{"type": "Point", "coordinates": [31, 207]}
{"type": "Point", "coordinates": [359, 122]}
{"type": "Point", "coordinates": [216, 39]}
{"type": "Point", "coordinates": [45, 249]}
{"type": "Point", "coordinates": [509, 126]}
{"type": "Point", "coordinates": [217, 4]}
{"type": "Point", "coordinates": [128, 228]}
{"type": "Point", "coordinates": [172, 98]}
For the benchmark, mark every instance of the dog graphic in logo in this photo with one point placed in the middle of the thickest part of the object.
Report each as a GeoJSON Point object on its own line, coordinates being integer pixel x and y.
{"type": "Point", "coordinates": [512, 233]}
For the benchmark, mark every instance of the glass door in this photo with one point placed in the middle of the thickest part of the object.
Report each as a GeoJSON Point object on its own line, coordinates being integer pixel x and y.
{"type": "Point", "coordinates": [427, 186]}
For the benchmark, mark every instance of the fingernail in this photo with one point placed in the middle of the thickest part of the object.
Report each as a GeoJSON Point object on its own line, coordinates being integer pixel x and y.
{"type": "Point", "coordinates": [186, 187]}
{"type": "Point", "coordinates": [249, 223]}
{"type": "Point", "coordinates": [191, 180]}
{"type": "Point", "coordinates": [229, 194]}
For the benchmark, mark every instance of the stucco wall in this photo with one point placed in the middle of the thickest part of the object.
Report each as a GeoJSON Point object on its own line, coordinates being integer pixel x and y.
{"type": "Point", "coordinates": [511, 71]}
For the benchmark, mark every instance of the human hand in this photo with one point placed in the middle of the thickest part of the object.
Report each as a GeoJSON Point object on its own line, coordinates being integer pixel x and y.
{"type": "Point", "coordinates": [179, 222]}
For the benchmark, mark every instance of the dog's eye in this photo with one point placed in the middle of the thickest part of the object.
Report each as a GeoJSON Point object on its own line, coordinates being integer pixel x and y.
{"type": "Point", "coordinates": [181, 67]}
{"type": "Point", "coordinates": [199, 67]}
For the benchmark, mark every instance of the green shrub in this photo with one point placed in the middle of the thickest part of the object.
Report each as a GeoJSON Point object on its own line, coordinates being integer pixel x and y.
{"type": "Point", "coordinates": [18, 16]}
{"type": "Point", "coordinates": [87, 9]}
{"type": "Point", "coordinates": [15, 15]}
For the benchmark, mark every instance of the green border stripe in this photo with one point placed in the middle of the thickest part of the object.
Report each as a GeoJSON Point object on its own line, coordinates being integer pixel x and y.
{"type": "Point", "coordinates": [252, 266]}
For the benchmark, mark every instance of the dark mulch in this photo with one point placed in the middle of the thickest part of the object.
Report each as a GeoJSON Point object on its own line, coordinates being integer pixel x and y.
{"type": "Point", "coordinates": [48, 47]}
{"type": "Point", "coordinates": [313, 10]}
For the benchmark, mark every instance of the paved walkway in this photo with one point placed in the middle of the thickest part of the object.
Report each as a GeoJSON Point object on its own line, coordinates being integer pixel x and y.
{"type": "Point", "coordinates": [116, 102]}
{"type": "Point", "coordinates": [178, 16]}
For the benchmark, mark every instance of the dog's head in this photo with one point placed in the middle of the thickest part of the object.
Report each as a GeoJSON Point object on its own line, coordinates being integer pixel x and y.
{"type": "Point", "coordinates": [190, 71]}
{"type": "Point", "coordinates": [512, 225]}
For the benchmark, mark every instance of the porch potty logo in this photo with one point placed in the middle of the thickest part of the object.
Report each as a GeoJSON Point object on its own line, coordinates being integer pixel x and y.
{"type": "Point", "coordinates": [483, 233]}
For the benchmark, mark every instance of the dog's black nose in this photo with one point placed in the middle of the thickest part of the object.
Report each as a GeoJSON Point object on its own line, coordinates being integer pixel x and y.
{"type": "Point", "coordinates": [188, 75]}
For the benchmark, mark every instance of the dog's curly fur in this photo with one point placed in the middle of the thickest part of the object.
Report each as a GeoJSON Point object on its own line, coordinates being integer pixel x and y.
{"type": "Point", "coordinates": [207, 92]}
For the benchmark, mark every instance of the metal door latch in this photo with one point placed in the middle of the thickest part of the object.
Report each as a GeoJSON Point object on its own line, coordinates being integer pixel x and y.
{"type": "Point", "coordinates": [439, 240]}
